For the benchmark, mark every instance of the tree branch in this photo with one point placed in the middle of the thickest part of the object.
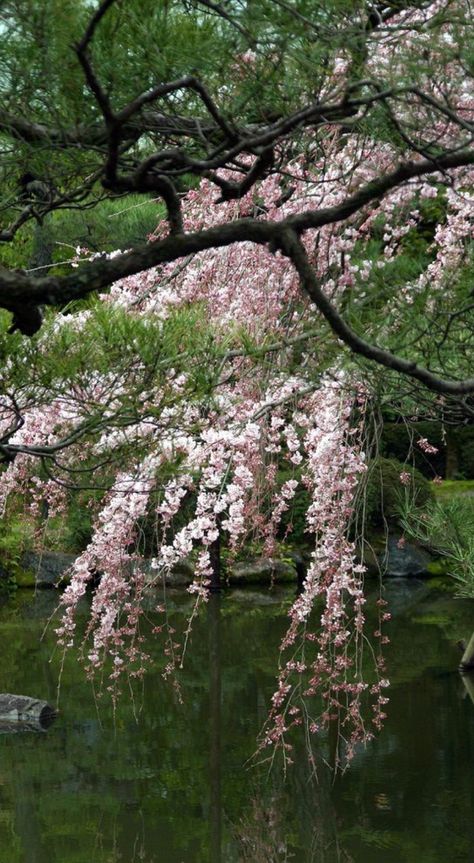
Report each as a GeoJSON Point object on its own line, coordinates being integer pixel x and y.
{"type": "Point", "coordinates": [292, 246]}
{"type": "Point", "coordinates": [16, 287]}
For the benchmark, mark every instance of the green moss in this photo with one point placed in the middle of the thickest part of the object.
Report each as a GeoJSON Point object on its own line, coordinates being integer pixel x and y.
{"type": "Point", "coordinates": [24, 577]}
{"type": "Point", "coordinates": [452, 488]}
{"type": "Point", "coordinates": [440, 582]}
{"type": "Point", "coordinates": [439, 567]}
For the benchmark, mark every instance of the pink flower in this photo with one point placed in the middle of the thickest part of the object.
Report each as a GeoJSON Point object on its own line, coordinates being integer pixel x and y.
{"type": "Point", "coordinates": [426, 446]}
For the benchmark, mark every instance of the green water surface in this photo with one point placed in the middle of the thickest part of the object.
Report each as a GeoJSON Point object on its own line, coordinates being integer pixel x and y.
{"type": "Point", "coordinates": [165, 782]}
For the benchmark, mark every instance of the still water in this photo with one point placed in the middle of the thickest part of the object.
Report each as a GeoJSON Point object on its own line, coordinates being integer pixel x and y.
{"type": "Point", "coordinates": [164, 782]}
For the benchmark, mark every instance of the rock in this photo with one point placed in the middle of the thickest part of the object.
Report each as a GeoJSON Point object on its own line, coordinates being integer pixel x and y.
{"type": "Point", "coordinates": [20, 712]}
{"type": "Point", "coordinates": [367, 555]}
{"type": "Point", "coordinates": [43, 569]}
{"type": "Point", "coordinates": [255, 571]}
{"type": "Point", "coordinates": [50, 568]}
{"type": "Point", "coordinates": [403, 595]}
{"type": "Point", "coordinates": [180, 576]}
{"type": "Point", "coordinates": [404, 560]}
{"type": "Point", "coordinates": [262, 569]}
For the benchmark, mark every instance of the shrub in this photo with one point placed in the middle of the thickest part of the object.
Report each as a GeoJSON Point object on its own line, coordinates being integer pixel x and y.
{"type": "Point", "coordinates": [385, 492]}
{"type": "Point", "coordinates": [446, 526]}
{"type": "Point", "coordinates": [398, 441]}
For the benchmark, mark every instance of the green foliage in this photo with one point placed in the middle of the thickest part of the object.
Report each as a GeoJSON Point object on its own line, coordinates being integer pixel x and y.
{"type": "Point", "coordinates": [15, 536]}
{"type": "Point", "coordinates": [384, 493]}
{"type": "Point", "coordinates": [102, 226]}
{"type": "Point", "coordinates": [447, 527]}
{"type": "Point", "coordinates": [454, 487]}
{"type": "Point", "coordinates": [115, 223]}
{"type": "Point", "coordinates": [113, 339]}
{"type": "Point", "coordinates": [76, 532]}
{"type": "Point", "coordinates": [293, 523]}
{"type": "Point", "coordinates": [134, 355]}
{"type": "Point", "coordinates": [398, 441]}
{"type": "Point", "coordinates": [18, 254]}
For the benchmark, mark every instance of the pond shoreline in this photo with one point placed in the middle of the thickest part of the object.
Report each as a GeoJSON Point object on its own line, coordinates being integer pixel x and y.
{"type": "Point", "coordinates": [384, 557]}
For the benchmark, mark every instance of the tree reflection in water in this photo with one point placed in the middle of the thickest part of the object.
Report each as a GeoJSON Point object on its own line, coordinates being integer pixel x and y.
{"type": "Point", "coordinates": [172, 787]}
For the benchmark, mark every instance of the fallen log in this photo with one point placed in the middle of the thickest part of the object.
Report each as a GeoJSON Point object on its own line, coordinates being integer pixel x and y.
{"type": "Point", "coordinates": [21, 709]}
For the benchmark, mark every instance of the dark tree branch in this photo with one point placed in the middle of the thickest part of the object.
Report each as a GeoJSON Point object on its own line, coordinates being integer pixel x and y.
{"type": "Point", "coordinates": [18, 421]}
{"type": "Point", "coordinates": [95, 87]}
{"type": "Point", "coordinates": [95, 19]}
{"type": "Point", "coordinates": [7, 235]}
{"type": "Point", "coordinates": [93, 136]}
{"type": "Point", "coordinates": [292, 246]}
{"type": "Point", "coordinates": [378, 188]}
{"type": "Point", "coordinates": [71, 200]}
{"type": "Point", "coordinates": [157, 184]}
{"type": "Point", "coordinates": [83, 57]}
{"type": "Point", "coordinates": [16, 287]}
{"type": "Point", "coordinates": [188, 82]}
{"type": "Point", "coordinates": [259, 169]}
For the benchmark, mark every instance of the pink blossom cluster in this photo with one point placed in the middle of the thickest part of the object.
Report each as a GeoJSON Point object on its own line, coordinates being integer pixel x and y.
{"type": "Point", "coordinates": [330, 651]}
{"type": "Point", "coordinates": [119, 591]}
{"type": "Point", "coordinates": [426, 446]}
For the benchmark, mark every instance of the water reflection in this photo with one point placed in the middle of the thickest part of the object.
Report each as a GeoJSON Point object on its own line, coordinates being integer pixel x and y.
{"type": "Point", "coordinates": [171, 787]}
{"type": "Point", "coordinates": [37, 726]}
{"type": "Point", "coordinates": [215, 722]}
{"type": "Point", "coordinates": [468, 683]}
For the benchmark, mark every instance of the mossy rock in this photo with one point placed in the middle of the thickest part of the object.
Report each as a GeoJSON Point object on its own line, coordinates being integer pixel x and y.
{"type": "Point", "coordinates": [384, 492]}
{"type": "Point", "coordinates": [438, 567]}
{"type": "Point", "coordinates": [262, 570]}
{"type": "Point", "coordinates": [25, 578]}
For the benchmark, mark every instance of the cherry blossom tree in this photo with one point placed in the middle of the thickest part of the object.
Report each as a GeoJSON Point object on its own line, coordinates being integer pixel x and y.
{"type": "Point", "coordinates": [335, 214]}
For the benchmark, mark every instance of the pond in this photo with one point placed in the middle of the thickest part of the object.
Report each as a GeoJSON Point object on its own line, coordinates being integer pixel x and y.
{"type": "Point", "coordinates": [165, 782]}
